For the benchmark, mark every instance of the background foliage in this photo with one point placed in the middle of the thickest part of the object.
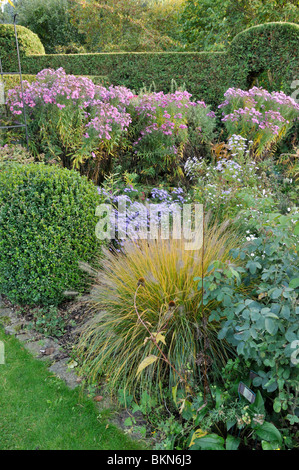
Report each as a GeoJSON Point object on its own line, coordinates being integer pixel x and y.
{"type": "Point", "coordinates": [266, 55]}
{"type": "Point", "coordinates": [211, 25]}
{"type": "Point", "coordinates": [50, 20]}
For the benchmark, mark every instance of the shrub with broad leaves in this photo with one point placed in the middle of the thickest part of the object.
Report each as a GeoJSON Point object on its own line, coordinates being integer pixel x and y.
{"type": "Point", "coordinates": [258, 305]}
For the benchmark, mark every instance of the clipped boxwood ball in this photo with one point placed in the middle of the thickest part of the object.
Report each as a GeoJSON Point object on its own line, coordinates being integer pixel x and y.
{"type": "Point", "coordinates": [47, 225]}
{"type": "Point", "coordinates": [29, 43]}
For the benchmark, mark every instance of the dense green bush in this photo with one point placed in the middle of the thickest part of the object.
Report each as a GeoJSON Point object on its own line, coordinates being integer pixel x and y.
{"type": "Point", "coordinates": [29, 43]}
{"type": "Point", "coordinates": [268, 56]}
{"type": "Point", "coordinates": [259, 307]}
{"type": "Point", "coordinates": [211, 25]}
{"type": "Point", "coordinates": [50, 20]}
{"type": "Point", "coordinates": [47, 225]}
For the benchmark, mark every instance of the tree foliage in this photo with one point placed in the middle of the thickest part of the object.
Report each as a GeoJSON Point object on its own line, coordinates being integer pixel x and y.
{"type": "Point", "coordinates": [127, 25]}
{"type": "Point", "coordinates": [212, 24]}
{"type": "Point", "coordinates": [50, 20]}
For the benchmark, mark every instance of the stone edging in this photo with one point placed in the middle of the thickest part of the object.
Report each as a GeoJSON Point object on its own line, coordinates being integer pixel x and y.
{"type": "Point", "coordinates": [45, 349]}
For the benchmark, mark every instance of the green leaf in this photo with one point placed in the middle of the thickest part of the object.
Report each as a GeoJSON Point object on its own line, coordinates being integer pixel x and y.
{"type": "Point", "coordinates": [210, 442]}
{"type": "Point", "coordinates": [294, 283]}
{"type": "Point", "coordinates": [276, 293]}
{"type": "Point", "coordinates": [232, 443]}
{"type": "Point", "coordinates": [230, 424]}
{"type": "Point", "coordinates": [146, 362]}
{"type": "Point", "coordinates": [277, 406]}
{"type": "Point", "coordinates": [128, 422]}
{"type": "Point", "coordinates": [174, 393]}
{"type": "Point", "coordinates": [270, 325]}
{"type": "Point", "coordinates": [267, 446]}
{"type": "Point", "coordinates": [268, 432]}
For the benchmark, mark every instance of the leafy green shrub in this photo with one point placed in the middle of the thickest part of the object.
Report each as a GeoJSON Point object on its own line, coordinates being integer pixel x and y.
{"type": "Point", "coordinates": [262, 318]}
{"type": "Point", "coordinates": [50, 20]}
{"type": "Point", "coordinates": [116, 342]}
{"type": "Point", "coordinates": [29, 43]}
{"type": "Point", "coordinates": [47, 225]}
{"type": "Point", "coordinates": [267, 53]}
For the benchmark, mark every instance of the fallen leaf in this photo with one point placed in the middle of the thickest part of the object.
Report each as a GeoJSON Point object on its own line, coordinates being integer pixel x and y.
{"type": "Point", "coordinates": [146, 362]}
{"type": "Point", "coordinates": [98, 398]}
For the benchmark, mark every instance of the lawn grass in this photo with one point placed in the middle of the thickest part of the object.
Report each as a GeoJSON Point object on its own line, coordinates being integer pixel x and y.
{"type": "Point", "coordinates": [38, 411]}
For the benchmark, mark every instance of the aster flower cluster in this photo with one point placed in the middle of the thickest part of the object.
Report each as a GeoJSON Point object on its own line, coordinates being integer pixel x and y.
{"type": "Point", "coordinates": [140, 214]}
{"type": "Point", "coordinates": [163, 115]}
{"type": "Point", "coordinates": [103, 110]}
{"type": "Point", "coordinates": [258, 115]}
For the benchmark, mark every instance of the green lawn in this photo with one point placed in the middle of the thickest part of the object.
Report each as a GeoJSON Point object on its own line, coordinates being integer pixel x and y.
{"type": "Point", "coordinates": [38, 411]}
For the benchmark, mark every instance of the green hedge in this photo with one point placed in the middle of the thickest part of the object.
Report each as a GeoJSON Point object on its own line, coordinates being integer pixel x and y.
{"type": "Point", "coordinates": [29, 43]}
{"type": "Point", "coordinates": [47, 225]}
{"type": "Point", "coordinates": [206, 75]}
{"type": "Point", "coordinates": [11, 81]}
{"type": "Point", "coordinates": [268, 53]}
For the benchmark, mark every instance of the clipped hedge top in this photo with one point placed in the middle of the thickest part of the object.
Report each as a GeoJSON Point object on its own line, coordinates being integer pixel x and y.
{"type": "Point", "coordinates": [268, 53]}
{"type": "Point", "coordinates": [276, 28]}
{"type": "Point", "coordinates": [29, 43]}
{"type": "Point", "coordinates": [270, 48]}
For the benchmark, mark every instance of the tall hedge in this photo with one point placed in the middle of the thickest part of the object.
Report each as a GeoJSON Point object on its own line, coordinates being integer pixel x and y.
{"type": "Point", "coordinates": [206, 75]}
{"type": "Point", "coordinates": [47, 225]}
{"type": "Point", "coordinates": [266, 55]}
{"type": "Point", "coordinates": [29, 43]}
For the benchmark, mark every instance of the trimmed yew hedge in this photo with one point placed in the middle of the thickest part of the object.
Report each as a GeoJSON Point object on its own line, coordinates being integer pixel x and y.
{"type": "Point", "coordinates": [269, 53]}
{"type": "Point", "coordinates": [29, 43]}
{"type": "Point", "coordinates": [206, 75]}
{"type": "Point", "coordinates": [265, 55]}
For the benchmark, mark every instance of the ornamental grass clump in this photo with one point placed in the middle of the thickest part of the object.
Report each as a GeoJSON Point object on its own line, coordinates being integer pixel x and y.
{"type": "Point", "coordinates": [260, 116]}
{"type": "Point", "coordinates": [115, 342]}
